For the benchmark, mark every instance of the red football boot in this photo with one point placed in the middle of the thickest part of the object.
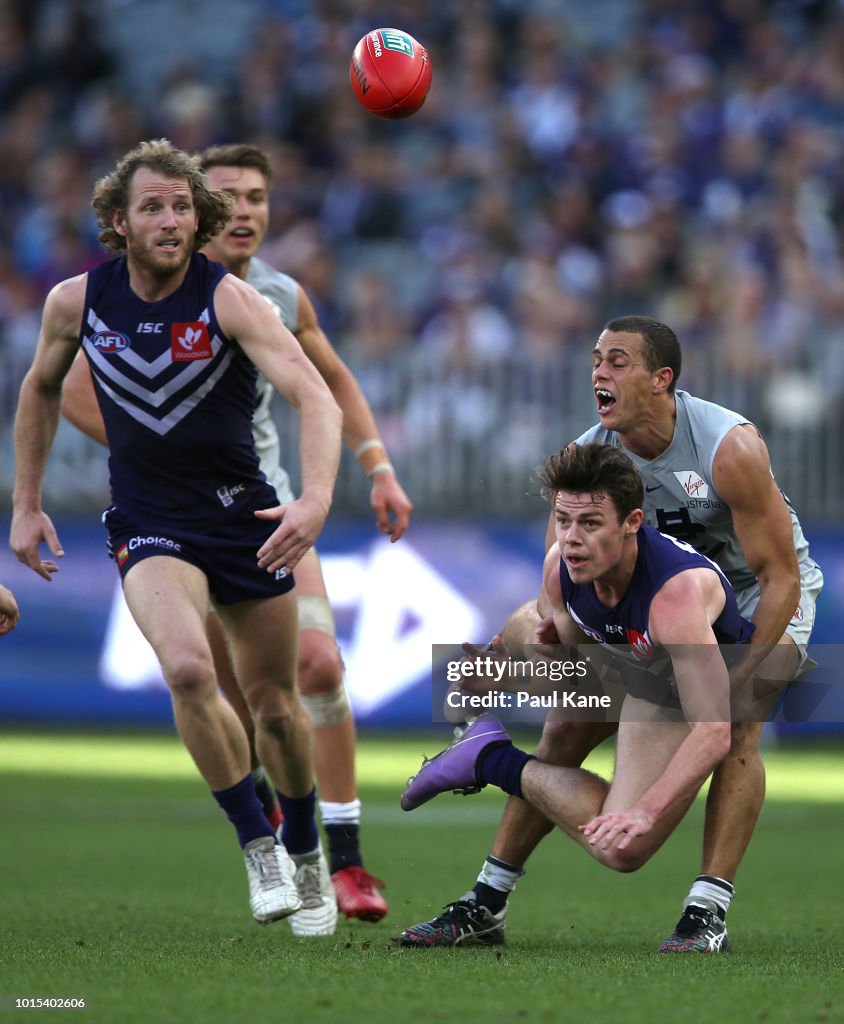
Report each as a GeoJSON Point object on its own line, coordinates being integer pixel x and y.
{"type": "Point", "coordinates": [357, 893]}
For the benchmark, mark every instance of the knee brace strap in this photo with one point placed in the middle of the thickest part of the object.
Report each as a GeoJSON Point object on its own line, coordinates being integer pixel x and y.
{"type": "Point", "coordinates": [330, 708]}
{"type": "Point", "coordinates": [315, 613]}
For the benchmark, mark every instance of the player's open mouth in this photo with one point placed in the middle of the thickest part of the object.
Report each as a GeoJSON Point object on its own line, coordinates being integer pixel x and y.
{"type": "Point", "coordinates": [241, 233]}
{"type": "Point", "coordinates": [605, 399]}
{"type": "Point", "coordinates": [575, 561]}
{"type": "Point", "coordinates": [170, 243]}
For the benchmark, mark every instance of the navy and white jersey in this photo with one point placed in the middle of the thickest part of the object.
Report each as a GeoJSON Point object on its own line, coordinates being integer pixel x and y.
{"type": "Point", "coordinates": [680, 495]}
{"type": "Point", "coordinates": [177, 398]}
{"type": "Point", "coordinates": [626, 625]}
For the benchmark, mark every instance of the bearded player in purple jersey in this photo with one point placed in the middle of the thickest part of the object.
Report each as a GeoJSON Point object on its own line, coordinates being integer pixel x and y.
{"type": "Point", "coordinates": [244, 172]}
{"type": "Point", "coordinates": [173, 341]}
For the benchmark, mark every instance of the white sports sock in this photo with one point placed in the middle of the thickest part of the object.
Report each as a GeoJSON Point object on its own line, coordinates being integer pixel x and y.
{"type": "Point", "coordinates": [340, 814]}
{"type": "Point", "coordinates": [500, 875]}
{"type": "Point", "coordinates": [714, 890]}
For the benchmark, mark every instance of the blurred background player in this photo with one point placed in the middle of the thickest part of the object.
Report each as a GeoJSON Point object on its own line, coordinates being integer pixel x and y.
{"type": "Point", "coordinates": [174, 340]}
{"type": "Point", "coordinates": [708, 482]}
{"type": "Point", "coordinates": [245, 173]}
{"type": "Point", "coordinates": [9, 611]}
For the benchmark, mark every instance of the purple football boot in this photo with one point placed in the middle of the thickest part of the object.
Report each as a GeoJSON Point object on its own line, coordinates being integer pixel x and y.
{"type": "Point", "coordinates": [455, 768]}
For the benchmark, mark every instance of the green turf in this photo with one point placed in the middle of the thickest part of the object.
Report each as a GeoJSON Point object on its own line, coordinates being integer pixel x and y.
{"type": "Point", "coordinates": [122, 884]}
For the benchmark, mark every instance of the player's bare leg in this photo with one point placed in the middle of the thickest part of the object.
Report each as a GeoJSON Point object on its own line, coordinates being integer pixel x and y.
{"type": "Point", "coordinates": [224, 671]}
{"type": "Point", "coordinates": [571, 796]}
{"type": "Point", "coordinates": [735, 798]}
{"type": "Point", "coordinates": [737, 790]}
{"type": "Point", "coordinates": [263, 637]}
{"type": "Point", "coordinates": [168, 599]}
{"type": "Point", "coordinates": [228, 684]}
{"type": "Point", "coordinates": [522, 827]}
{"type": "Point", "coordinates": [733, 804]}
{"type": "Point", "coordinates": [324, 696]}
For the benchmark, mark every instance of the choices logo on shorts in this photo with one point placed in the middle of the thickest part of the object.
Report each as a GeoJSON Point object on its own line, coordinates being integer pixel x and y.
{"type": "Point", "coordinates": [141, 542]}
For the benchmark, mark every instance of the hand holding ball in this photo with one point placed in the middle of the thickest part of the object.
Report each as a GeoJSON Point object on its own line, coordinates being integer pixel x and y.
{"type": "Point", "coordinates": [390, 73]}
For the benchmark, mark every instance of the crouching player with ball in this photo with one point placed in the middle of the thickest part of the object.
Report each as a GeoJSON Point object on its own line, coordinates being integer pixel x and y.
{"type": "Point", "coordinates": [609, 576]}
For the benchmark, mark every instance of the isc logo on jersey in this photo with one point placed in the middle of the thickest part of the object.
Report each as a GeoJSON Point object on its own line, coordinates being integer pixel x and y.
{"type": "Point", "coordinates": [109, 342]}
{"type": "Point", "coordinates": [189, 342]}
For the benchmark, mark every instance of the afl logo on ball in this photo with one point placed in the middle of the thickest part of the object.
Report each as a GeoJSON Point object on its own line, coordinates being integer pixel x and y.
{"type": "Point", "coordinates": [108, 342]}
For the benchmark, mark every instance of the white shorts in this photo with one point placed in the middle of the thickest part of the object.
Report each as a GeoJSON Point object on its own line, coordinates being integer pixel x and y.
{"type": "Point", "coordinates": [803, 621]}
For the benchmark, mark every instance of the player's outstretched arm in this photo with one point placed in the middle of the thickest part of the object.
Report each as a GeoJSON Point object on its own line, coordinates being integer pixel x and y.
{"type": "Point", "coordinates": [79, 401]}
{"type": "Point", "coordinates": [37, 419]}
{"type": "Point", "coordinates": [391, 505]}
{"type": "Point", "coordinates": [247, 318]}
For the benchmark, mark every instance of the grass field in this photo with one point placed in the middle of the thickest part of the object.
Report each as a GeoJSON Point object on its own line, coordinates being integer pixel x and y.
{"type": "Point", "coordinates": [123, 884]}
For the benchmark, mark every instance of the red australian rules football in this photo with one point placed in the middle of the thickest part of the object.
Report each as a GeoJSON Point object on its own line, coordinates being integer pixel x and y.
{"type": "Point", "coordinates": [390, 73]}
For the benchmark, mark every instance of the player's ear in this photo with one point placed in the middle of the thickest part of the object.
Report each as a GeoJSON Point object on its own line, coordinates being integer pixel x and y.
{"type": "Point", "coordinates": [663, 379]}
{"type": "Point", "coordinates": [118, 222]}
{"type": "Point", "coordinates": [633, 522]}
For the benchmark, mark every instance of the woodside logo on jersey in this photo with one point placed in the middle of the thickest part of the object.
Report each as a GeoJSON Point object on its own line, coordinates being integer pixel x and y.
{"type": "Point", "coordinates": [189, 341]}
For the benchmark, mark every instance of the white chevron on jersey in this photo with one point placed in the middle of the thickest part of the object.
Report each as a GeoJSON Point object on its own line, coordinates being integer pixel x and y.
{"type": "Point", "coordinates": [176, 415]}
{"type": "Point", "coordinates": [130, 356]}
{"type": "Point", "coordinates": [108, 369]}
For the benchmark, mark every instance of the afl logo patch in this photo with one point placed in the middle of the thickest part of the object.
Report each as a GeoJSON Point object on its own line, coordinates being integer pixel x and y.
{"type": "Point", "coordinates": [108, 342]}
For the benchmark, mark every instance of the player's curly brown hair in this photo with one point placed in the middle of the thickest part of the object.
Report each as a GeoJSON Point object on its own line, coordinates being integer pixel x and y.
{"type": "Point", "coordinates": [111, 193]}
{"type": "Point", "coordinates": [594, 468]}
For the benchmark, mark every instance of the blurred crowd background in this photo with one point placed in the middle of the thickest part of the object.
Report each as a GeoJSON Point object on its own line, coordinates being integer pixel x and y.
{"type": "Point", "coordinates": [574, 161]}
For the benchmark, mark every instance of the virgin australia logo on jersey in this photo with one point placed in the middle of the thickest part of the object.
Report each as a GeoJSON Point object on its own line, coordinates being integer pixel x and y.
{"type": "Point", "coordinates": [109, 342]}
{"type": "Point", "coordinates": [693, 484]}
